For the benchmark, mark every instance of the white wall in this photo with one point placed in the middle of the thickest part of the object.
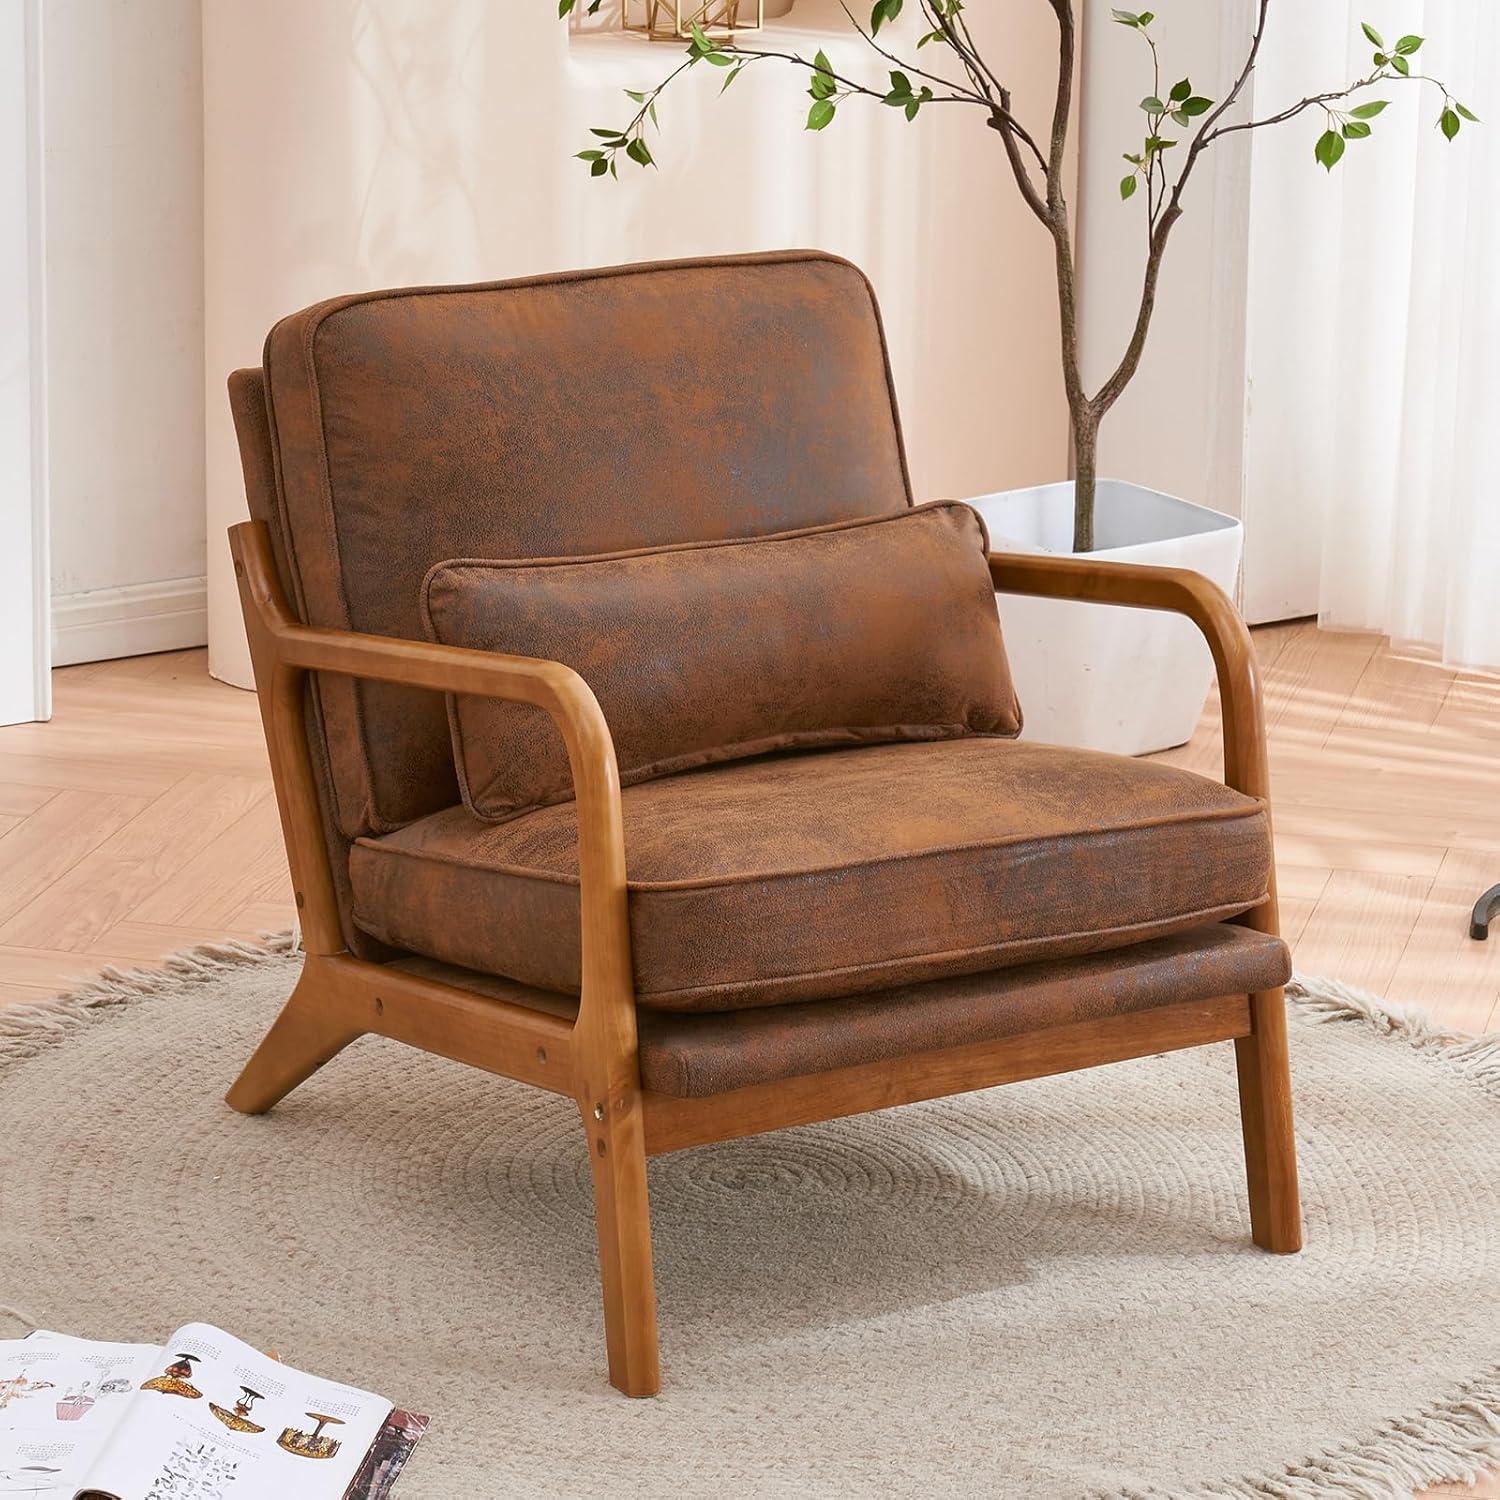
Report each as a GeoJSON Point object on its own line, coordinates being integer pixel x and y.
{"type": "Point", "coordinates": [24, 681]}
{"type": "Point", "coordinates": [403, 141]}
{"type": "Point", "coordinates": [124, 251]}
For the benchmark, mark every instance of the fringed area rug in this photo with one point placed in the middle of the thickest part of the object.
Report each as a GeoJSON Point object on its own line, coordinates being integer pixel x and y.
{"type": "Point", "coordinates": [1046, 1290]}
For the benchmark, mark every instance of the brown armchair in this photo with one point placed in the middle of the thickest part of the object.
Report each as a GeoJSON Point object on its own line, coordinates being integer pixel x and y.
{"type": "Point", "coordinates": [1049, 910]}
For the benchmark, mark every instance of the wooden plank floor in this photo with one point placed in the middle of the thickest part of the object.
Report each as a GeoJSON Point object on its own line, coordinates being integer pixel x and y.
{"type": "Point", "coordinates": [1385, 775]}
{"type": "Point", "coordinates": [140, 820]}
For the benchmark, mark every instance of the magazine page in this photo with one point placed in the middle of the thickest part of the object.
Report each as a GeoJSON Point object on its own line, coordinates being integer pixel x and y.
{"type": "Point", "coordinates": [218, 1420]}
{"type": "Point", "coordinates": [60, 1400]}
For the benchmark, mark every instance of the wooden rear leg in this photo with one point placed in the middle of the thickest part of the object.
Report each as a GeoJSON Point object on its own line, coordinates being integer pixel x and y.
{"type": "Point", "coordinates": [313, 1027]}
{"type": "Point", "coordinates": [617, 1152]}
{"type": "Point", "coordinates": [1266, 1118]}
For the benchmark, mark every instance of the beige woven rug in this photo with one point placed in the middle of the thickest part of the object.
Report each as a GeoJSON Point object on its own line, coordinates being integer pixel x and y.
{"type": "Point", "coordinates": [1042, 1291]}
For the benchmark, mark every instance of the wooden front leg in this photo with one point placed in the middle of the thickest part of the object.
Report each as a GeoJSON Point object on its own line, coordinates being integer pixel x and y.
{"type": "Point", "coordinates": [1266, 1120]}
{"type": "Point", "coordinates": [616, 1134]}
{"type": "Point", "coordinates": [313, 1027]}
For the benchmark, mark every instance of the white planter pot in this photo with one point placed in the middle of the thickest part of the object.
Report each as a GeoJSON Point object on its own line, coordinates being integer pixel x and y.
{"type": "Point", "coordinates": [1097, 675]}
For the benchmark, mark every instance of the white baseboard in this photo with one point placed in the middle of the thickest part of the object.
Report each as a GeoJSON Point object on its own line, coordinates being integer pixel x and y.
{"type": "Point", "coordinates": [101, 624]}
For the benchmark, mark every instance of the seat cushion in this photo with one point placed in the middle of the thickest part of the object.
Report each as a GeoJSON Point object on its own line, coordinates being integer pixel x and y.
{"type": "Point", "coordinates": [858, 632]}
{"type": "Point", "coordinates": [836, 872]}
{"type": "Point", "coordinates": [692, 1056]}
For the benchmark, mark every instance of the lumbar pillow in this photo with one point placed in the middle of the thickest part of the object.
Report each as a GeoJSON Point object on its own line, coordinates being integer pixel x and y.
{"type": "Point", "coordinates": [854, 633]}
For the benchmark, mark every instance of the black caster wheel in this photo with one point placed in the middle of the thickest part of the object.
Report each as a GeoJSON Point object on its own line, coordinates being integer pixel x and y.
{"type": "Point", "coordinates": [1486, 909]}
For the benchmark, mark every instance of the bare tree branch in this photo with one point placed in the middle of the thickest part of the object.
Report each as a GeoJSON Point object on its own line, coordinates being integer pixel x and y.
{"type": "Point", "coordinates": [958, 38]}
{"type": "Point", "coordinates": [1057, 208]}
{"type": "Point", "coordinates": [848, 85]}
{"type": "Point", "coordinates": [1130, 361]}
{"type": "Point", "coordinates": [1001, 121]}
{"type": "Point", "coordinates": [1291, 113]}
{"type": "Point", "coordinates": [869, 39]}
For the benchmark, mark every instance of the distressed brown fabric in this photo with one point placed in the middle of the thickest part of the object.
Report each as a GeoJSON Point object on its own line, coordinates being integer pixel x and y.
{"type": "Point", "coordinates": [834, 872]}
{"type": "Point", "coordinates": [594, 411]}
{"type": "Point", "coordinates": [694, 1056]}
{"type": "Point", "coordinates": [857, 633]}
{"type": "Point", "coordinates": [247, 404]}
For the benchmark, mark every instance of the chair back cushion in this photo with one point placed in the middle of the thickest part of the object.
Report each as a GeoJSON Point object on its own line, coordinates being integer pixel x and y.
{"type": "Point", "coordinates": [595, 411]}
{"type": "Point", "coordinates": [858, 632]}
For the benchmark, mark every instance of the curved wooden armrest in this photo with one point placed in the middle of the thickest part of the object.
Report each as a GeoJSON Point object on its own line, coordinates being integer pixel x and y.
{"type": "Point", "coordinates": [1182, 592]}
{"type": "Point", "coordinates": [283, 650]}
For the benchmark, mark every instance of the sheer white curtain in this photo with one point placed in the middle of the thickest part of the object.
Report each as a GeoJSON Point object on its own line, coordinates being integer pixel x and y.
{"type": "Point", "coordinates": [1396, 376]}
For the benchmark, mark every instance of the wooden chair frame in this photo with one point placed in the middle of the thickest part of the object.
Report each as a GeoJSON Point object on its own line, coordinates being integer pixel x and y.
{"type": "Point", "coordinates": [593, 1058]}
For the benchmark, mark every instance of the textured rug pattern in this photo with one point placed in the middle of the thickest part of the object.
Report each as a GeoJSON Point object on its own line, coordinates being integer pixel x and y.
{"type": "Point", "coordinates": [1046, 1290]}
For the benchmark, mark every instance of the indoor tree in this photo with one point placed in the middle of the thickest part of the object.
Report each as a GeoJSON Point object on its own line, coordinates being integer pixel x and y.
{"type": "Point", "coordinates": [946, 66]}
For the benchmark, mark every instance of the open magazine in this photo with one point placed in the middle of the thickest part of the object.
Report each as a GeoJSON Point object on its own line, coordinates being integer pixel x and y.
{"type": "Point", "coordinates": [201, 1417]}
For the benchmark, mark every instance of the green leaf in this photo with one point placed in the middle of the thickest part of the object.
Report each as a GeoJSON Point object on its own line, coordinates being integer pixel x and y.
{"type": "Point", "coordinates": [1196, 105]}
{"type": "Point", "coordinates": [729, 78]}
{"type": "Point", "coordinates": [614, 137]}
{"type": "Point", "coordinates": [1370, 110]}
{"type": "Point", "coordinates": [637, 150]}
{"type": "Point", "coordinates": [1132, 159]}
{"type": "Point", "coordinates": [588, 155]}
{"type": "Point", "coordinates": [1449, 123]}
{"type": "Point", "coordinates": [1355, 130]}
{"type": "Point", "coordinates": [1465, 111]}
{"type": "Point", "coordinates": [884, 10]}
{"type": "Point", "coordinates": [1373, 36]}
{"type": "Point", "coordinates": [563, 7]}
{"type": "Point", "coordinates": [1329, 149]}
{"type": "Point", "coordinates": [900, 83]}
{"type": "Point", "coordinates": [1407, 45]}
{"type": "Point", "coordinates": [823, 84]}
{"type": "Point", "coordinates": [637, 94]}
{"type": "Point", "coordinates": [820, 114]}
{"type": "Point", "coordinates": [598, 168]}
{"type": "Point", "coordinates": [1127, 186]}
{"type": "Point", "coordinates": [1181, 90]}
{"type": "Point", "coordinates": [1126, 17]}
{"type": "Point", "coordinates": [1146, 17]}
{"type": "Point", "coordinates": [1401, 65]}
{"type": "Point", "coordinates": [1152, 105]}
{"type": "Point", "coordinates": [1156, 143]}
{"type": "Point", "coordinates": [704, 48]}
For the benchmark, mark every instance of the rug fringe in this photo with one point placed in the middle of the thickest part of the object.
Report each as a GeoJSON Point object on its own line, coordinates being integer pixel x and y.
{"type": "Point", "coordinates": [1318, 1001]}
{"type": "Point", "coordinates": [28, 1029]}
{"type": "Point", "coordinates": [1457, 1440]}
